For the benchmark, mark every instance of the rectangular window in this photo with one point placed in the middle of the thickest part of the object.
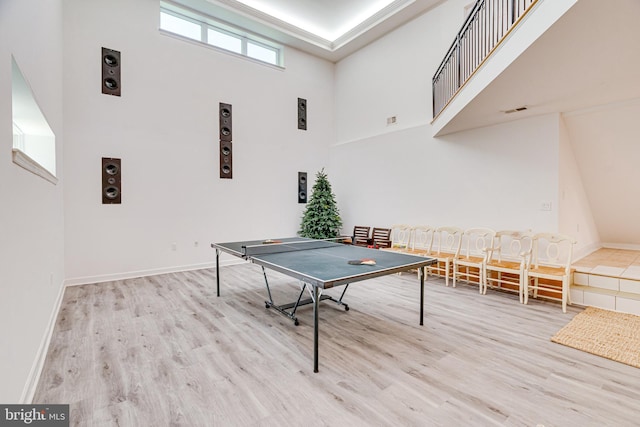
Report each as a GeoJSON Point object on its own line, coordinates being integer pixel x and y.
{"type": "Point", "coordinates": [224, 41]}
{"type": "Point", "coordinates": [205, 29]}
{"type": "Point", "coordinates": [180, 26]}
{"type": "Point", "coordinates": [34, 143]}
{"type": "Point", "coordinates": [261, 53]}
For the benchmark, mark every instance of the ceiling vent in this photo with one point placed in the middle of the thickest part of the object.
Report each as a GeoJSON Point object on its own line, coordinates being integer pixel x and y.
{"type": "Point", "coordinates": [515, 110]}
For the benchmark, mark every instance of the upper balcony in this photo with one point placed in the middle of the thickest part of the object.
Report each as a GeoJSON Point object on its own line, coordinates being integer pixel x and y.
{"type": "Point", "coordinates": [519, 58]}
{"type": "Point", "coordinates": [487, 25]}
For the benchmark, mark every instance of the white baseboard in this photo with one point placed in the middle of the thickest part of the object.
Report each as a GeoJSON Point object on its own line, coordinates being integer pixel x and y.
{"type": "Point", "coordinates": [633, 247]}
{"type": "Point", "coordinates": [36, 369]}
{"type": "Point", "coordinates": [74, 281]}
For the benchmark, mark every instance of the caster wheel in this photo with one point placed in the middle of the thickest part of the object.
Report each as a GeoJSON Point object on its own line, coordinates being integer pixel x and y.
{"type": "Point", "coordinates": [266, 305]}
{"type": "Point", "coordinates": [346, 308]}
{"type": "Point", "coordinates": [295, 322]}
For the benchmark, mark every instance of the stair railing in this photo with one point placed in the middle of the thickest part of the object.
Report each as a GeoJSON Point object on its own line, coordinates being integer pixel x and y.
{"type": "Point", "coordinates": [487, 25]}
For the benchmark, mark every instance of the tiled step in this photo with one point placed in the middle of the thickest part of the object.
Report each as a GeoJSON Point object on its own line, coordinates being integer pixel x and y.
{"type": "Point", "coordinates": [611, 292]}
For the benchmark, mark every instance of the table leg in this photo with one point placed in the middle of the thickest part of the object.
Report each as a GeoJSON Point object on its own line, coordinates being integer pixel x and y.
{"type": "Point", "coordinates": [218, 271]}
{"type": "Point", "coordinates": [316, 301]}
{"type": "Point", "coordinates": [421, 273]}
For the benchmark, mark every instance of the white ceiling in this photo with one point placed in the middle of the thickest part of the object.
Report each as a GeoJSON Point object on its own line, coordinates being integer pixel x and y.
{"type": "Point", "coordinates": [328, 19]}
{"type": "Point", "coordinates": [330, 29]}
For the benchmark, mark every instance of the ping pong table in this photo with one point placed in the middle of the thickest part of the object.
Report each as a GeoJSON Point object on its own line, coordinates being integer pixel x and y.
{"type": "Point", "coordinates": [319, 265]}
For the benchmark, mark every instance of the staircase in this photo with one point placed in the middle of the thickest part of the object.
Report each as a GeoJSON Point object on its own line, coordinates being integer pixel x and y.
{"type": "Point", "coordinates": [608, 278]}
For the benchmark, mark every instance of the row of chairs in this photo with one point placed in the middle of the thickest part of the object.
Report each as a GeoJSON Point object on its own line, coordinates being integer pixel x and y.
{"type": "Point", "coordinates": [536, 265]}
{"type": "Point", "coordinates": [377, 237]}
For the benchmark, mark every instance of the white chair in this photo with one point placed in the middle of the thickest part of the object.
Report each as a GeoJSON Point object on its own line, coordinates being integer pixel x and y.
{"type": "Point", "coordinates": [550, 263]}
{"type": "Point", "coordinates": [445, 248]}
{"type": "Point", "coordinates": [421, 240]}
{"type": "Point", "coordinates": [507, 260]}
{"type": "Point", "coordinates": [400, 238]}
{"type": "Point", "coordinates": [469, 264]}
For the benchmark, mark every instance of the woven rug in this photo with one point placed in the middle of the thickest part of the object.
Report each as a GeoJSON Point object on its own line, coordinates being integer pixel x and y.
{"type": "Point", "coordinates": [604, 333]}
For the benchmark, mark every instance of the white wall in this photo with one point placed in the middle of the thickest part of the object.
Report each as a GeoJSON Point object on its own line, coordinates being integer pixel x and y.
{"type": "Point", "coordinates": [31, 215]}
{"type": "Point", "coordinates": [392, 77]}
{"type": "Point", "coordinates": [574, 207]}
{"type": "Point", "coordinates": [165, 130]}
{"type": "Point", "coordinates": [605, 143]}
{"type": "Point", "coordinates": [494, 177]}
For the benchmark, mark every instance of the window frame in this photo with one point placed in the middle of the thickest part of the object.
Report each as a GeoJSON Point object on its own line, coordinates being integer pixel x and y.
{"type": "Point", "coordinates": [23, 99]}
{"type": "Point", "coordinates": [207, 23]}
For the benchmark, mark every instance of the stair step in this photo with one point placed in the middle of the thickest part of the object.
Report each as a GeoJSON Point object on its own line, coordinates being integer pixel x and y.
{"type": "Point", "coordinates": [612, 283]}
{"type": "Point", "coordinates": [601, 291]}
{"type": "Point", "coordinates": [608, 278]}
{"type": "Point", "coordinates": [627, 302]}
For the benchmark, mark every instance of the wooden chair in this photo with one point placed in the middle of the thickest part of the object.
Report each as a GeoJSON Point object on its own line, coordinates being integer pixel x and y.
{"type": "Point", "coordinates": [380, 237]}
{"type": "Point", "coordinates": [507, 261]}
{"type": "Point", "coordinates": [400, 238]}
{"type": "Point", "coordinates": [360, 235]}
{"type": "Point", "coordinates": [445, 248]}
{"type": "Point", "coordinates": [469, 265]}
{"type": "Point", "coordinates": [550, 263]}
{"type": "Point", "coordinates": [421, 241]}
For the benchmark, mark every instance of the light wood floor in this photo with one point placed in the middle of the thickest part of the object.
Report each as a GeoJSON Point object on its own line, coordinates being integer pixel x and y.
{"type": "Point", "coordinates": [165, 351]}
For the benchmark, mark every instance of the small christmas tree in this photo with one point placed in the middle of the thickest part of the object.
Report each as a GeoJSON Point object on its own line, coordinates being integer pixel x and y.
{"type": "Point", "coordinates": [321, 219]}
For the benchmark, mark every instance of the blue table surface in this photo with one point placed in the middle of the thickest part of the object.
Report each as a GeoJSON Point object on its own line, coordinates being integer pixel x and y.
{"type": "Point", "coordinates": [325, 265]}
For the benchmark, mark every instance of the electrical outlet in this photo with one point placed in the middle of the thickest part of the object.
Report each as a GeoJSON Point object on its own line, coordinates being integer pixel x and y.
{"type": "Point", "coordinates": [174, 247]}
{"type": "Point", "coordinates": [392, 120]}
{"type": "Point", "coordinates": [545, 206]}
